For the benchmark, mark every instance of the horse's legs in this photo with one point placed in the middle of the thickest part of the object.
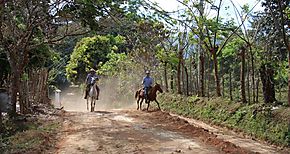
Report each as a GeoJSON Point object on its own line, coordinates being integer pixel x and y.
{"type": "Point", "coordinates": [157, 104]}
{"type": "Point", "coordinates": [148, 102]}
{"type": "Point", "coordinates": [92, 100]}
{"type": "Point", "coordinates": [87, 104]}
{"type": "Point", "coordinates": [142, 99]}
{"type": "Point", "coordinates": [94, 104]}
{"type": "Point", "coordinates": [138, 103]}
{"type": "Point", "coordinates": [98, 92]}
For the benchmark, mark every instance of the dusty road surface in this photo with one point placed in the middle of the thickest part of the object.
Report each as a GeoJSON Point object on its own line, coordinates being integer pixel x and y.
{"type": "Point", "coordinates": [121, 131]}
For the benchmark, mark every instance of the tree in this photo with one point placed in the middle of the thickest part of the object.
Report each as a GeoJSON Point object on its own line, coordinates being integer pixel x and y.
{"type": "Point", "coordinates": [91, 52]}
{"type": "Point", "coordinates": [278, 11]}
{"type": "Point", "coordinates": [22, 25]}
{"type": "Point", "coordinates": [231, 62]}
{"type": "Point", "coordinates": [271, 34]}
{"type": "Point", "coordinates": [27, 25]}
{"type": "Point", "coordinates": [242, 73]}
{"type": "Point", "coordinates": [167, 56]}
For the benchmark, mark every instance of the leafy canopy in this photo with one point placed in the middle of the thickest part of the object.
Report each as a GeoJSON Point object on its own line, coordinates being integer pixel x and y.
{"type": "Point", "coordinates": [90, 52]}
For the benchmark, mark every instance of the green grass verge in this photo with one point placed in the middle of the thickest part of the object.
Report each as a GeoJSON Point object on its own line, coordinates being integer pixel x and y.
{"type": "Point", "coordinates": [28, 136]}
{"type": "Point", "coordinates": [257, 120]}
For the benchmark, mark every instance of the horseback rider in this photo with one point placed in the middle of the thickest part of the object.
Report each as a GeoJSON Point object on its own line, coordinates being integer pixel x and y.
{"type": "Point", "coordinates": [147, 83]}
{"type": "Point", "coordinates": [92, 77]}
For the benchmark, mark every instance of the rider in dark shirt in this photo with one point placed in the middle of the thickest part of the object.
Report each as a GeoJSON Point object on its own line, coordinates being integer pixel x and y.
{"type": "Point", "coordinates": [91, 78]}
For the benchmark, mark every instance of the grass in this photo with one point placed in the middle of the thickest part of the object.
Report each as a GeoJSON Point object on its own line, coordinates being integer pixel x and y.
{"type": "Point", "coordinates": [28, 136]}
{"type": "Point", "coordinates": [258, 120]}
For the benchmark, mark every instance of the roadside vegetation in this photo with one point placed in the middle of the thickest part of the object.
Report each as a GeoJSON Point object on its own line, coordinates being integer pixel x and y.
{"type": "Point", "coordinates": [35, 133]}
{"type": "Point", "coordinates": [261, 121]}
{"type": "Point", "coordinates": [241, 64]}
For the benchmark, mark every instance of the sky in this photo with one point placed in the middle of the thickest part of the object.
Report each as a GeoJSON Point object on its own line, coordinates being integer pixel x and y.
{"type": "Point", "coordinates": [171, 5]}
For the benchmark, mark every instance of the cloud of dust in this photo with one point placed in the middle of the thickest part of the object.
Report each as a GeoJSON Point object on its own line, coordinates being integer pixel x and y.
{"type": "Point", "coordinates": [111, 97]}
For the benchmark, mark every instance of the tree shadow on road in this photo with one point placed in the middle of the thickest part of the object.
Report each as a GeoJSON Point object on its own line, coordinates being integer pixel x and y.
{"type": "Point", "coordinates": [103, 112]}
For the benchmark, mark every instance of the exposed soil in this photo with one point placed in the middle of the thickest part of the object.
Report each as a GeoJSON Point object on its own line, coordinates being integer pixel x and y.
{"type": "Point", "coordinates": [107, 131]}
{"type": "Point", "coordinates": [131, 131]}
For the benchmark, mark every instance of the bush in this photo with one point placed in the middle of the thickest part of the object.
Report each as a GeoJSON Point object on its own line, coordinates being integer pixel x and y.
{"type": "Point", "coordinates": [258, 120]}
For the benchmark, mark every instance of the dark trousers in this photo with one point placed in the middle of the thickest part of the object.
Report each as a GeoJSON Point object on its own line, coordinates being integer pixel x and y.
{"type": "Point", "coordinates": [146, 91]}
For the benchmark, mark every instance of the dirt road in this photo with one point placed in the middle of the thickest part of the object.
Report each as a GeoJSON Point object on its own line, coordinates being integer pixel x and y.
{"type": "Point", "coordinates": [118, 131]}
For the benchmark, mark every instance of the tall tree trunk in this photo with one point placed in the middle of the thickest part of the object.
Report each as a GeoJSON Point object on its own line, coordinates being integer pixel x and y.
{"type": "Point", "coordinates": [1, 127]}
{"type": "Point", "coordinates": [43, 90]}
{"type": "Point", "coordinates": [165, 77]}
{"type": "Point", "coordinates": [267, 78]}
{"type": "Point", "coordinates": [187, 79]}
{"type": "Point", "coordinates": [289, 74]}
{"type": "Point", "coordinates": [196, 83]}
{"type": "Point", "coordinates": [201, 53]}
{"type": "Point", "coordinates": [214, 53]}
{"type": "Point", "coordinates": [179, 72]}
{"type": "Point", "coordinates": [22, 97]}
{"type": "Point", "coordinates": [171, 81]}
{"type": "Point", "coordinates": [248, 82]}
{"type": "Point", "coordinates": [216, 75]}
{"type": "Point", "coordinates": [183, 85]}
{"type": "Point", "coordinates": [191, 77]}
{"type": "Point", "coordinates": [14, 90]}
{"type": "Point", "coordinates": [252, 72]}
{"type": "Point", "coordinates": [223, 86]}
{"type": "Point", "coordinates": [231, 89]}
{"type": "Point", "coordinates": [242, 75]}
{"type": "Point", "coordinates": [17, 67]}
{"type": "Point", "coordinates": [201, 77]}
{"type": "Point", "coordinates": [208, 77]}
{"type": "Point", "coordinates": [257, 90]}
{"type": "Point", "coordinates": [222, 78]}
{"type": "Point", "coordinates": [286, 43]}
{"type": "Point", "coordinates": [1, 40]}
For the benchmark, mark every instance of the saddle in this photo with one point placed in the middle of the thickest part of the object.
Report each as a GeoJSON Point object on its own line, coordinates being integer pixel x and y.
{"type": "Point", "coordinates": [142, 91]}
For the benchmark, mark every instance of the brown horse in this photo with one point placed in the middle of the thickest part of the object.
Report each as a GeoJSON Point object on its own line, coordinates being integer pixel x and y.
{"type": "Point", "coordinates": [151, 96]}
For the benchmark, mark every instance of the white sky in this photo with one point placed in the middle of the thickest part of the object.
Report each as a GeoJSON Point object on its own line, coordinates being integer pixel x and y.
{"type": "Point", "coordinates": [171, 5]}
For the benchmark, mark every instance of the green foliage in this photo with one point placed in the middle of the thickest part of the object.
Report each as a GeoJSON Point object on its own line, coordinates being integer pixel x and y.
{"type": "Point", "coordinates": [245, 8]}
{"type": "Point", "coordinates": [168, 57]}
{"type": "Point", "coordinates": [123, 74]}
{"type": "Point", "coordinates": [257, 120]}
{"type": "Point", "coordinates": [232, 48]}
{"type": "Point", "coordinates": [42, 56]}
{"type": "Point", "coordinates": [90, 12]}
{"type": "Point", "coordinates": [89, 53]}
{"type": "Point", "coordinates": [230, 56]}
{"type": "Point", "coordinates": [114, 65]}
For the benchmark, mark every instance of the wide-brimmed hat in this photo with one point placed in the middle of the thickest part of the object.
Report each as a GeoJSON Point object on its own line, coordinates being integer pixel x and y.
{"type": "Point", "coordinates": [92, 70]}
{"type": "Point", "coordinates": [147, 72]}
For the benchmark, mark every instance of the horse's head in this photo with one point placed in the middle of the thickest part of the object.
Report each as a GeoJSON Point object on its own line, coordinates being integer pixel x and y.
{"type": "Point", "coordinates": [158, 87]}
{"type": "Point", "coordinates": [94, 80]}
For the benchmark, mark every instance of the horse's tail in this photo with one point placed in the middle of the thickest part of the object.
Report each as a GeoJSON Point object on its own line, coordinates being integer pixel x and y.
{"type": "Point", "coordinates": [136, 94]}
